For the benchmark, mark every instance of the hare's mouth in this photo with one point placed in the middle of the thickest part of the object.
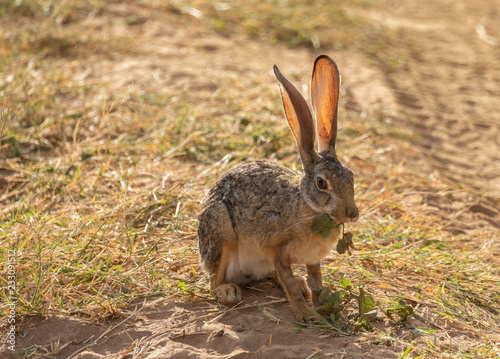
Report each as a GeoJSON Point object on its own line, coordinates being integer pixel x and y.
{"type": "Point", "coordinates": [333, 219]}
{"type": "Point", "coordinates": [344, 217]}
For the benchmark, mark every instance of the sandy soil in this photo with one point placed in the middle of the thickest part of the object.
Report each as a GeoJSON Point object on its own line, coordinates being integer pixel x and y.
{"type": "Point", "coordinates": [180, 329]}
{"type": "Point", "coordinates": [448, 92]}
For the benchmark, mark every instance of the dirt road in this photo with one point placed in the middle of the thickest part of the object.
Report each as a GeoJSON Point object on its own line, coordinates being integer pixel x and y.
{"type": "Point", "coordinates": [449, 90]}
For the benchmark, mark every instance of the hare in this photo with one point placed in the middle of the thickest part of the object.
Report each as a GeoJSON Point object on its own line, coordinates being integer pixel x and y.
{"type": "Point", "coordinates": [257, 218]}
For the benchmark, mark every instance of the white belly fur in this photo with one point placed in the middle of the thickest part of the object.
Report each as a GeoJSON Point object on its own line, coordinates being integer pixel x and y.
{"type": "Point", "coordinates": [250, 263]}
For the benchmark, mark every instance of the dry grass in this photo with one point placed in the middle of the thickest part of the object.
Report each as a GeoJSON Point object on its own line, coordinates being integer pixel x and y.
{"type": "Point", "coordinates": [101, 204]}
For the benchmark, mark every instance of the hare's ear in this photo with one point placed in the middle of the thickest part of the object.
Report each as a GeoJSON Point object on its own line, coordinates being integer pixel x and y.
{"type": "Point", "coordinates": [325, 88]}
{"type": "Point", "coordinates": [299, 118]}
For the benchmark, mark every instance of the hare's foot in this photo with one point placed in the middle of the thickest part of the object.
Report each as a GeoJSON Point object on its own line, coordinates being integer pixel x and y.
{"type": "Point", "coordinates": [304, 288]}
{"type": "Point", "coordinates": [303, 314]}
{"type": "Point", "coordinates": [315, 282]}
{"type": "Point", "coordinates": [228, 294]}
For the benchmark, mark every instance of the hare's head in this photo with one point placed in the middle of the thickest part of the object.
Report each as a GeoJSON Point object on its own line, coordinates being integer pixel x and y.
{"type": "Point", "coordinates": [327, 185]}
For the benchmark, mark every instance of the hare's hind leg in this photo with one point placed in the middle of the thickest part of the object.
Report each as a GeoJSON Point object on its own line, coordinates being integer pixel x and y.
{"type": "Point", "coordinates": [227, 293]}
{"type": "Point", "coordinates": [217, 242]}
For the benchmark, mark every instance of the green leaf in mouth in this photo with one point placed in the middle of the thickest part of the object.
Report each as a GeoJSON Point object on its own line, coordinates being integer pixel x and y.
{"type": "Point", "coordinates": [324, 225]}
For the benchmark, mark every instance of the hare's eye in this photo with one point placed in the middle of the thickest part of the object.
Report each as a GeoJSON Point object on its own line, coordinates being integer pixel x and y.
{"type": "Point", "coordinates": [321, 183]}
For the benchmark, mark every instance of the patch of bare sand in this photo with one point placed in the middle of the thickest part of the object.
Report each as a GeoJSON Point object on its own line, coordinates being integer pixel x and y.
{"type": "Point", "coordinates": [165, 328]}
{"type": "Point", "coordinates": [168, 328]}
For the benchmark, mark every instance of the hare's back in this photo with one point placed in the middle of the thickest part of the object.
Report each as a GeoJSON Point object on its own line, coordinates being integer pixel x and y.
{"type": "Point", "coordinates": [258, 193]}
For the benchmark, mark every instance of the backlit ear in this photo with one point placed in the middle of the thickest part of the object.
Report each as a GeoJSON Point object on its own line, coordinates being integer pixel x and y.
{"type": "Point", "coordinates": [325, 87]}
{"type": "Point", "coordinates": [299, 118]}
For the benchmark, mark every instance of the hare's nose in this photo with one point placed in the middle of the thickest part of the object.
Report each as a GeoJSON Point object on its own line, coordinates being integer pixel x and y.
{"type": "Point", "coordinates": [352, 212]}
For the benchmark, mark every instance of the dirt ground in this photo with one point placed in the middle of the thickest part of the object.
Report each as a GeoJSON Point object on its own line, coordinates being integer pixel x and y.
{"type": "Point", "coordinates": [448, 91]}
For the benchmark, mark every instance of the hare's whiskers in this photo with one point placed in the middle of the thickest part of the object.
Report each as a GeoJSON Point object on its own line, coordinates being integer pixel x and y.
{"type": "Point", "coordinates": [299, 221]}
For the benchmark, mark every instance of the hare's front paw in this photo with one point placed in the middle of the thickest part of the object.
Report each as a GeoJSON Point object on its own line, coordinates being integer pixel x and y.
{"type": "Point", "coordinates": [228, 294]}
{"type": "Point", "coordinates": [304, 288]}
{"type": "Point", "coordinates": [303, 314]}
